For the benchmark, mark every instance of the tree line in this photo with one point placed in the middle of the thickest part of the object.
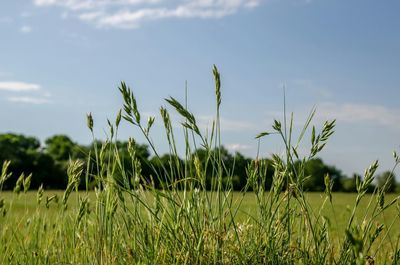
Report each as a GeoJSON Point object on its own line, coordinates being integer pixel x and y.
{"type": "Point", "coordinates": [48, 164]}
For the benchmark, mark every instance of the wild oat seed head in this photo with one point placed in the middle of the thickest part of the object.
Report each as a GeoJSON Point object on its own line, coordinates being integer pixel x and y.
{"type": "Point", "coordinates": [217, 80]}
{"type": "Point", "coordinates": [89, 121]}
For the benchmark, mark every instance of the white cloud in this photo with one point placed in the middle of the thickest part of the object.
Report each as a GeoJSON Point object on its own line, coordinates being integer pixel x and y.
{"type": "Point", "coordinates": [30, 100]}
{"type": "Point", "coordinates": [89, 16]}
{"type": "Point", "coordinates": [18, 86]}
{"type": "Point", "coordinates": [237, 147]}
{"type": "Point", "coordinates": [360, 113]}
{"type": "Point", "coordinates": [252, 4]}
{"type": "Point", "coordinates": [40, 96]}
{"type": "Point", "coordinates": [44, 2]}
{"type": "Point", "coordinates": [132, 13]}
{"type": "Point", "coordinates": [25, 29]}
{"type": "Point", "coordinates": [93, 4]}
{"type": "Point", "coordinates": [345, 113]}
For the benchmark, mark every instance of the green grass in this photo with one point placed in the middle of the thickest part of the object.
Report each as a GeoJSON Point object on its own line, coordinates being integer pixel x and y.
{"type": "Point", "coordinates": [25, 205]}
{"type": "Point", "coordinates": [127, 219]}
{"type": "Point", "coordinates": [24, 215]}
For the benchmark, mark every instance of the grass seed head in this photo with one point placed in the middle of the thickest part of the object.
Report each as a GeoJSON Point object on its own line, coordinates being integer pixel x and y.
{"type": "Point", "coordinates": [217, 80]}
{"type": "Point", "coordinates": [4, 172]}
{"type": "Point", "coordinates": [89, 121]}
{"type": "Point", "coordinates": [27, 183]}
{"type": "Point", "coordinates": [118, 119]}
{"type": "Point", "coordinates": [18, 184]}
{"type": "Point", "coordinates": [39, 194]}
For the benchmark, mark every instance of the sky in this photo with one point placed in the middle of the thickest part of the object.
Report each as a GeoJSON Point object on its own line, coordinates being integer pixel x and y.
{"type": "Point", "coordinates": [60, 59]}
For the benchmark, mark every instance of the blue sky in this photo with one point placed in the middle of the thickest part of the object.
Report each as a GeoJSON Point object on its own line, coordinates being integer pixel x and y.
{"type": "Point", "coordinates": [60, 59]}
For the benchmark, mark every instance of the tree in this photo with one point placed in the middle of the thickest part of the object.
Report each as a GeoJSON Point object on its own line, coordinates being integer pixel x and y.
{"type": "Point", "coordinates": [239, 171]}
{"type": "Point", "coordinates": [315, 170]}
{"type": "Point", "coordinates": [349, 184]}
{"type": "Point", "coordinates": [14, 146]}
{"type": "Point", "coordinates": [27, 157]}
{"type": "Point", "coordinates": [21, 151]}
{"type": "Point", "coordinates": [386, 181]}
{"type": "Point", "coordinates": [142, 153]}
{"type": "Point", "coordinates": [234, 166]}
{"type": "Point", "coordinates": [61, 147]}
{"type": "Point", "coordinates": [210, 164]}
{"type": "Point", "coordinates": [167, 170]}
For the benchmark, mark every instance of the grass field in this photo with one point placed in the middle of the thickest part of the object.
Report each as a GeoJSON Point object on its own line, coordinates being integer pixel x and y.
{"type": "Point", "coordinates": [25, 215]}
{"type": "Point", "coordinates": [128, 220]}
{"type": "Point", "coordinates": [24, 205]}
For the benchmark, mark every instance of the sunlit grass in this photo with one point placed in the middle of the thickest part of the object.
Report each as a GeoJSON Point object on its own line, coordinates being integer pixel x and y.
{"type": "Point", "coordinates": [172, 217]}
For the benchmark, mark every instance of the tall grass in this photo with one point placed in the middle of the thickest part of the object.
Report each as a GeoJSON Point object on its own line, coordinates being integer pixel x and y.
{"type": "Point", "coordinates": [131, 221]}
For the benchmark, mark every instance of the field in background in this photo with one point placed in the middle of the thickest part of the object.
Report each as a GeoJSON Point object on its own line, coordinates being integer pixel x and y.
{"type": "Point", "coordinates": [23, 206]}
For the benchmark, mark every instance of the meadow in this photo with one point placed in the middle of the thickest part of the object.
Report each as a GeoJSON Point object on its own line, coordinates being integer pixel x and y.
{"type": "Point", "coordinates": [22, 206]}
{"type": "Point", "coordinates": [33, 227]}
{"type": "Point", "coordinates": [122, 217]}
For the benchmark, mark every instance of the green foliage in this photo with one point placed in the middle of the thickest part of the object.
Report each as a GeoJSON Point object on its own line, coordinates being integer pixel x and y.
{"type": "Point", "coordinates": [349, 184]}
{"type": "Point", "coordinates": [49, 164]}
{"type": "Point", "coordinates": [26, 156]}
{"type": "Point", "coordinates": [316, 170]}
{"type": "Point", "coordinates": [61, 148]}
{"type": "Point", "coordinates": [386, 181]}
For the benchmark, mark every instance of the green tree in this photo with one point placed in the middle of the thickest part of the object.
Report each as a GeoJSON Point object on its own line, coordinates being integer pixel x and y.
{"type": "Point", "coordinates": [27, 157]}
{"type": "Point", "coordinates": [142, 153]}
{"type": "Point", "coordinates": [209, 163]}
{"type": "Point", "coordinates": [167, 170]}
{"type": "Point", "coordinates": [239, 171]}
{"type": "Point", "coordinates": [61, 147]}
{"type": "Point", "coordinates": [15, 146]}
{"type": "Point", "coordinates": [349, 184]}
{"type": "Point", "coordinates": [315, 170]}
{"type": "Point", "coordinates": [386, 180]}
{"type": "Point", "coordinates": [234, 166]}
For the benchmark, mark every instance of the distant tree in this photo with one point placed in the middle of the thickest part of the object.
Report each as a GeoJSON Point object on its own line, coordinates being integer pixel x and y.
{"type": "Point", "coordinates": [315, 170]}
{"type": "Point", "coordinates": [15, 147]}
{"type": "Point", "coordinates": [142, 153]}
{"type": "Point", "coordinates": [168, 171]}
{"type": "Point", "coordinates": [27, 157]}
{"type": "Point", "coordinates": [386, 180]}
{"type": "Point", "coordinates": [349, 184]}
{"type": "Point", "coordinates": [21, 151]}
{"type": "Point", "coordinates": [239, 171]}
{"type": "Point", "coordinates": [233, 166]}
{"type": "Point", "coordinates": [124, 171]}
{"type": "Point", "coordinates": [61, 147]}
{"type": "Point", "coordinates": [209, 162]}
{"type": "Point", "coordinates": [48, 172]}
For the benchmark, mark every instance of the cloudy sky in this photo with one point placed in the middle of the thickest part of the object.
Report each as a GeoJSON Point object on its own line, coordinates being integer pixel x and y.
{"type": "Point", "coordinates": [60, 59]}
